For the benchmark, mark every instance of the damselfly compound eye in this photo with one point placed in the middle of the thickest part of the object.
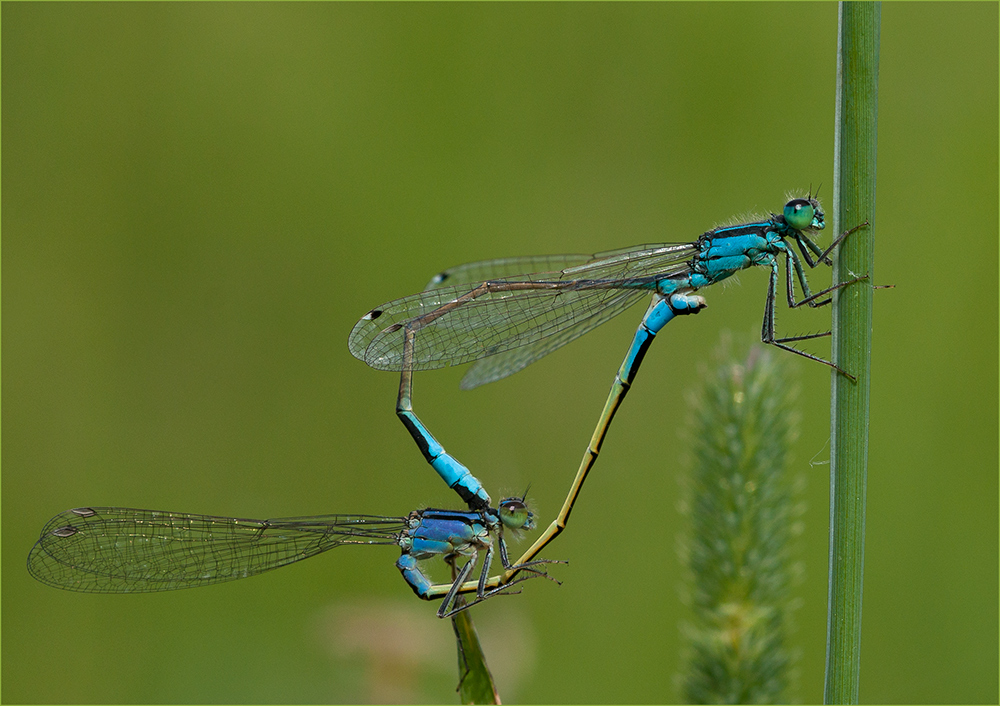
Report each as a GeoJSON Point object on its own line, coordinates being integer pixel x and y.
{"type": "Point", "coordinates": [515, 514]}
{"type": "Point", "coordinates": [799, 213]}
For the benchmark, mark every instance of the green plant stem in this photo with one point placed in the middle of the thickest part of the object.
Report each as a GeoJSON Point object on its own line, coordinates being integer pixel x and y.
{"type": "Point", "coordinates": [476, 685]}
{"type": "Point", "coordinates": [475, 681]}
{"type": "Point", "coordinates": [854, 203]}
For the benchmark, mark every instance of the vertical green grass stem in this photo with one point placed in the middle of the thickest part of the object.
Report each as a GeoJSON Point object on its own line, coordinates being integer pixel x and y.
{"type": "Point", "coordinates": [854, 203]}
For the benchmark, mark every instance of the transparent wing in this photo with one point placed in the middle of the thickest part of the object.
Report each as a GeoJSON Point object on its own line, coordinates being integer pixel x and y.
{"type": "Point", "coordinates": [499, 366]}
{"type": "Point", "coordinates": [474, 319]}
{"type": "Point", "coordinates": [476, 272]}
{"type": "Point", "coordinates": [125, 550]}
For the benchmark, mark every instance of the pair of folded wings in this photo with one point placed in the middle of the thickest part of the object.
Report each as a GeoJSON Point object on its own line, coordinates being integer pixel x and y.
{"type": "Point", "coordinates": [510, 327]}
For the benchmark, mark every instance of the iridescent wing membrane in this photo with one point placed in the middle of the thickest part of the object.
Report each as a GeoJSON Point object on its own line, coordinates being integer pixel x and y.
{"type": "Point", "coordinates": [125, 550]}
{"type": "Point", "coordinates": [493, 311]}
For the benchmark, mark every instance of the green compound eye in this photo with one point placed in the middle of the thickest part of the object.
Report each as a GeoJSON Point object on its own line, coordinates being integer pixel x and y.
{"type": "Point", "coordinates": [799, 213]}
{"type": "Point", "coordinates": [515, 514]}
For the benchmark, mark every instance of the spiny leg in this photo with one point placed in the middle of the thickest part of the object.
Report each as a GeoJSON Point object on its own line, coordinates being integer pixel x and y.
{"type": "Point", "coordinates": [503, 589]}
{"type": "Point", "coordinates": [449, 599]}
{"type": "Point", "coordinates": [822, 256]}
{"type": "Point", "coordinates": [525, 566]}
{"type": "Point", "coordinates": [767, 334]}
{"type": "Point", "coordinates": [792, 261]}
{"type": "Point", "coordinates": [451, 605]}
{"type": "Point", "coordinates": [810, 298]}
{"type": "Point", "coordinates": [840, 238]}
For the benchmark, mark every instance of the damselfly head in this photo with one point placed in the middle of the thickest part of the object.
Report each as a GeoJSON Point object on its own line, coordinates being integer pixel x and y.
{"type": "Point", "coordinates": [804, 214]}
{"type": "Point", "coordinates": [515, 515]}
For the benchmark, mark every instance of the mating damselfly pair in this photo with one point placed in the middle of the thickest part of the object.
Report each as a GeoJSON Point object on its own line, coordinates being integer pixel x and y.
{"type": "Point", "coordinates": [503, 315]}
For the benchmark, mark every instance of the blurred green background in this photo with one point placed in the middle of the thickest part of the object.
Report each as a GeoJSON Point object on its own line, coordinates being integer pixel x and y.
{"type": "Point", "coordinates": [200, 200]}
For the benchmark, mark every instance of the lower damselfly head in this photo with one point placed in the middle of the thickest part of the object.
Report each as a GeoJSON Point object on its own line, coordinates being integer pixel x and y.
{"type": "Point", "coordinates": [515, 515]}
{"type": "Point", "coordinates": [804, 214]}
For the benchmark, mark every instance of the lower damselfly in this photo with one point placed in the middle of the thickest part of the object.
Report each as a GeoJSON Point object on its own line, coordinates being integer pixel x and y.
{"type": "Point", "coordinates": [127, 550]}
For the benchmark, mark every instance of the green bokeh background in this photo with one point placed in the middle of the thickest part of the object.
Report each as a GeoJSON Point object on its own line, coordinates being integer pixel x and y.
{"type": "Point", "coordinates": [199, 201]}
